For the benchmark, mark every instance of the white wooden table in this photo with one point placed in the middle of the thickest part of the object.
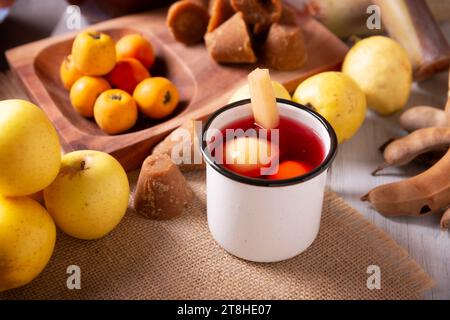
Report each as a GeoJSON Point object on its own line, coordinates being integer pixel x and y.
{"type": "Point", "coordinates": [351, 178]}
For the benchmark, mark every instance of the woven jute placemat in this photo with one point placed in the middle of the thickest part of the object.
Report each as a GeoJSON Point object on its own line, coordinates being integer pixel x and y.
{"type": "Point", "coordinates": [178, 259]}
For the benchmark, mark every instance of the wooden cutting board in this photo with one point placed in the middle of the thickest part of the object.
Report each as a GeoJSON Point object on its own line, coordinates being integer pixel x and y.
{"type": "Point", "coordinates": [204, 85]}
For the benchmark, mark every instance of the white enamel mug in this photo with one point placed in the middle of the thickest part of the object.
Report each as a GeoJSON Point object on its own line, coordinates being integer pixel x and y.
{"type": "Point", "coordinates": [266, 220]}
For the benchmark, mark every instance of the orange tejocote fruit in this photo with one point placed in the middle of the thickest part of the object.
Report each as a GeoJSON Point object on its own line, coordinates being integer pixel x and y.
{"type": "Point", "coordinates": [137, 47]}
{"type": "Point", "coordinates": [115, 111]}
{"type": "Point", "coordinates": [127, 74]}
{"type": "Point", "coordinates": [68, 73]}
{"type": "Point", "coordinates": [156, 97]}
{"type": "Point", "coordinates": [290, 169]}
{"type": "Point", "coordinates": [94, 53]}
{"type": "Point", "coordinates": [85, 91]}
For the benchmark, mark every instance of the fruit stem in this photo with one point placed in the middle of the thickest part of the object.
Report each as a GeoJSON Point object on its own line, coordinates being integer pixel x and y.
{"type": "Point", "coordinates": [83, 165]}
{"type": "Point", "coordinates": [167, 97]}
{"type": "Point", "coordinates": [310, 106]}
{"type": "Point", "coordinates": [116, 97]}
{"type": "Point", "coordinates": [94, 35]}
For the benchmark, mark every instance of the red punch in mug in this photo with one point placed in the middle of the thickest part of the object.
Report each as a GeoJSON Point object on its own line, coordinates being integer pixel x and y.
{"type": "Point", "coordinates": [271, 211]}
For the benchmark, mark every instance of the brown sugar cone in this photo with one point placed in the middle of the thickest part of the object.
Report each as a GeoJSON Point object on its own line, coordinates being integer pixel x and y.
{"type": "Point", "coordinates": [231, 42]}
{"type": "Point", "coordinates": [259, 14]}
{"type": "Point", "coordinates": [162, 191]}
{"type": "Point", "coordinates": [204, 3]}
{"type": "Point", "coordinates": [284, 48]}
{"type": "Point", "coordinates": [219, 11]}
{"type": "Point", "coordinates": [288, 16]}
{"type": "Point", "coordinates": [188, 20]}
{"type": "Point", "coordinates": [181, 140]}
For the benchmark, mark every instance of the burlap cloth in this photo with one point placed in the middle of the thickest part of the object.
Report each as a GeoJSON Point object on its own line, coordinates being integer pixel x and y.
{"type": "Point", "coordinates": [178, 259]}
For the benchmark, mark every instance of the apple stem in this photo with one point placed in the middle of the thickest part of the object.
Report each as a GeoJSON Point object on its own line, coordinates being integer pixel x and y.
{"type": "Point", "coordinates": [116, 97]}
{"type": "Point", "coordinates": [83, 165]}
{"type": "Point", "coordinates": [95, 36]}
{"type": "Point", "coordinates": [310, 106]}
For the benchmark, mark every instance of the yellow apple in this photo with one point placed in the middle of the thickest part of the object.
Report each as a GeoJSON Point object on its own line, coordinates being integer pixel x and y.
{"type": "Point", "coordinates": [27, 239]}
{"type": "Point", "coordinates": [382, 69]}
{"type": "Point", "coordinates": [30, 153]}
{"type": "Point", "coordinates": [89, 196]}
{"type": "Point", "coordinates": [244, 92]}
{"type": "Point", "coordinates": [337, 98]}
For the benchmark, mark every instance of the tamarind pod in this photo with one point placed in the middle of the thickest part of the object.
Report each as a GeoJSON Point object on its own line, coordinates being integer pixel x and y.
{"type": "Point", "coordinates": [427, 159]}
{"type": "Point", "coordinates": [412, 24]}
{"type": "Point", "coordinates": [445, 220]}
{"type": "Point", "coordinates": [423, 117]}
{"type": "Point", "coordinates": [402, 151]}
{"type": "Point", "coordinates": [447, 111]}
{"type": "Point", "coordinates": [384, 145]}
{"type": "Point", "coordinates": [425, 193]}
{"type": "Point", "coordinates": [447, 106]}
{"type": "Point", "coordinates": [346, 18]}
{"type": "Point", "coordinates": [430, 158]}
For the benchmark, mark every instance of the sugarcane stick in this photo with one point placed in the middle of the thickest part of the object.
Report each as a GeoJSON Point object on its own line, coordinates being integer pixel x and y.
{"type": "Point", "coordinates": [411, 23]}
{"type": "Point", "coordinates": [440, 9]}
{"type": "Point", "coordinates": [347, 18]}
{"type": "Point", "coordinates": [344, 18]}
{"type": "Point", "coordinates": [264, 104]}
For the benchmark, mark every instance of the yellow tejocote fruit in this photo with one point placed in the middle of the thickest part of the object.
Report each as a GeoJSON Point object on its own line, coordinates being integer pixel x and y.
{"type": "Point", "coordinates": [94, 53]}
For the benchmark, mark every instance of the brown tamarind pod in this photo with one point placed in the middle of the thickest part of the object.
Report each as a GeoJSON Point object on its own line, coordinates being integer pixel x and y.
{"type": "Point", "coordinates": [430, 158]}
{"type": "Point", "coordinates": [402, 151]}
{"type": "Point", "coordinates": [447, 106]}
{"type": "Point", "coordinates": [188, 20]}
{"type": "Point", "coordinates": [445, 220]}
{"type": "Point", "coordinates": [259, 14]}
{"type": "Point", "coordinates": [423, 117]}
{"type": "Point", "coordinates": [425, 193]}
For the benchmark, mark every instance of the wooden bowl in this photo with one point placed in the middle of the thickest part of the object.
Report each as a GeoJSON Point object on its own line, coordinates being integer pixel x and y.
{"type": "Point", "coordinates": [204, 85]}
